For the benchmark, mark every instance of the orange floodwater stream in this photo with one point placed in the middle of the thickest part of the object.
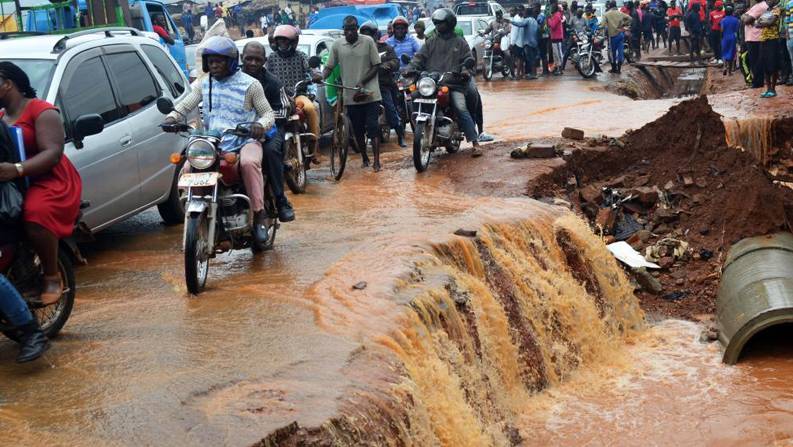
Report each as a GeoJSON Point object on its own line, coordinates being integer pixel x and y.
{"type": "Point", "coordinates": [142, 363]}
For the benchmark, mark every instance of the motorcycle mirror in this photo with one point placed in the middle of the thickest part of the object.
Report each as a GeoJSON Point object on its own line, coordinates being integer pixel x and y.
{"type": "Point", "coordinates": [405, 58]}
{"type": "Point", "coordinates": [164, 105]}
{"type": "Point", "coordinates": [314, 62]}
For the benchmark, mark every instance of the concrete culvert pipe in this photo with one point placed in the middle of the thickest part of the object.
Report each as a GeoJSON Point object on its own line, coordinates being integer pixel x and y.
{"type": "Point", "coordinates": [756, 290]}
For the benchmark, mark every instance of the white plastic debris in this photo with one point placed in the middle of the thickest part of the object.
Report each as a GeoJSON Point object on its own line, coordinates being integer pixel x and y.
{"type": "Point", "coordinates": [628, 256]}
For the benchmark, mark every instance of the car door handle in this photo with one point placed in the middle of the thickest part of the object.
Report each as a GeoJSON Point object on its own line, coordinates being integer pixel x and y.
{"type": "Point", "coordinates": [125, 140]}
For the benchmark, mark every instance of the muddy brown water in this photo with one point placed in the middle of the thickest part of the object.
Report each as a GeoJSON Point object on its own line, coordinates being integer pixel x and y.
{"type": "Point", "coordinates": [141, 363]}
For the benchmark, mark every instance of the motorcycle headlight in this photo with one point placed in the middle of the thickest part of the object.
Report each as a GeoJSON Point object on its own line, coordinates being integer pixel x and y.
{"type": "Point", "coordinates": [201, 154]}
{"type": "Point", "coordinates": [426, 87]}
{"type": "Point", "coordinates": [488, 44]}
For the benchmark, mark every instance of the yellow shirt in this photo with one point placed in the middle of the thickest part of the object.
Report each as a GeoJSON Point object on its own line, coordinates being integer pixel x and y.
{"type": "Point", "coordinates": [771, 32]}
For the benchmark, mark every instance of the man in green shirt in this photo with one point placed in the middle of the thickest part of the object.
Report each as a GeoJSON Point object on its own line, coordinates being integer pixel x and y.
{"type": "Point", "coordinates": [359, 61]}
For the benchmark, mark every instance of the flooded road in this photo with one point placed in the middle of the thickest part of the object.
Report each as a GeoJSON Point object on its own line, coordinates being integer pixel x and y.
{"type": "Point", "coordinates": [142, 363]}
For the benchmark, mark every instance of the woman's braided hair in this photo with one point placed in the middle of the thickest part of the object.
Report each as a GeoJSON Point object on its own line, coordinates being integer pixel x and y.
{"type": "Point", "coordinates": [10, 71]}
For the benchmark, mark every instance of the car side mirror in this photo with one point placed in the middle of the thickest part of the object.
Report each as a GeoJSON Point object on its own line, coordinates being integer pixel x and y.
{"type": "Point", "coordinates": [87, 125]}
{"type": "Point", "coordinates": [314, 62]}
{"type": "Point", "coordinates": [164, 105]}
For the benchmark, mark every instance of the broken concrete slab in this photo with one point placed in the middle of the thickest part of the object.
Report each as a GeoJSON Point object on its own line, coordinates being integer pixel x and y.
{"type": "Point", "coordinates": [540, 150]}
{"type": "Point", "coordinates": [572, 133]}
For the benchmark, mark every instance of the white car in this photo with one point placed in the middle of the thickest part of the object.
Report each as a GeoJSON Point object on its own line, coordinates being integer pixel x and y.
{"type": "Point", "coordinates": [471, 26]}
{"type": "Point", "coordinates": [478, 9]}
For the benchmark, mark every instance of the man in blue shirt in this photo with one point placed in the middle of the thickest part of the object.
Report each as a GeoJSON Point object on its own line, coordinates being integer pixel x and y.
{"type": "Point", "coordinates": [530, 40]}
{"type": "Point", "coordinates": [401, 41]}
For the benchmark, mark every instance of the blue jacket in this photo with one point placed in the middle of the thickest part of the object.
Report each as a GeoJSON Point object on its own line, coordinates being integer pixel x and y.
{"type": "Point", "coordinates": [409, 45]}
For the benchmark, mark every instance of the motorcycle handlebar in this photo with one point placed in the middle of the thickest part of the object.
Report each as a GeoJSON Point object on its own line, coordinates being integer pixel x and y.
{"type": "Point", "coordinates": [175, 128]}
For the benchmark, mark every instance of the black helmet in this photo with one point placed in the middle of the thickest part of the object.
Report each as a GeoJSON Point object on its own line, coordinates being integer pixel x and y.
{"type": "Point", "coordinates": [370, 29]}
{"type": "Point", "coordinates": [444, 15]}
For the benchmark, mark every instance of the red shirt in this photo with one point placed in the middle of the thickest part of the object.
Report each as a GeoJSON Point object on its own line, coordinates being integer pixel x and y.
{"type": "Point", "coordinates": [715, 19]}
{"type": "Point", "coordinates": [161, 32]}
{"type": "Point", "coordinates": [676, 11]}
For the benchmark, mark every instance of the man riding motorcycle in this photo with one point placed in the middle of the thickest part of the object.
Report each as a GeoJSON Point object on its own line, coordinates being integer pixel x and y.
{"type": "Point", "coordinates": [389, 64]}
{"type": "Point", "coordinates": [290, 66]}
{"type": "Point", "coordinates": [446, 53]}
{"type": "Point", "coordinates": [401, 41]}
{"type": "Point", "coordinates": [231, 97]}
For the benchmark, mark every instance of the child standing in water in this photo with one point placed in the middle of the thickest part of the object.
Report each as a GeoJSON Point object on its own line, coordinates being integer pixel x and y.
{"type": "Point", "coordinates": [729, 39]}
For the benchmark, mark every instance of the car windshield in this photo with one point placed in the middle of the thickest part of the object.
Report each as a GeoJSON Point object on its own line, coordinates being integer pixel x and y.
{"type": "Point", "coordinates": [39, 71]}
{"type": "Point", "coordinates": [477, 9]}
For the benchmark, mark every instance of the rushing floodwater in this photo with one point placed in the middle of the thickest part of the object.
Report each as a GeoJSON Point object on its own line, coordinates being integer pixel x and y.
{"type": "Point", "coordinates": [141, 363]}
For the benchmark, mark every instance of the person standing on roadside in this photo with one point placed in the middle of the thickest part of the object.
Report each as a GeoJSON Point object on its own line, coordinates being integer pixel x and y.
{"type": "Point", "coordinates": [694, 28]}
{"type": "Point", "coordinates": [187, 20]}
{"type": "Point", "coordinates": [527, 45]}
{"type": "Point", "coordinates": [716, 17]}
{"type": "Point", "coordinates": [615, 23]}
{"type": "Point", "coordinates": [544, 38]}
{"type": "Point", "coordinates": [648, 24]}
{"type": "Point", "coordinates": [729, 27]}
{"type": "Point", "coordinates": [675, 15]}
{"type": "Point", "coordinates": [359, 61]}
{"type": "Point", "coordinates": [264, 24]}
{"type": "Point", "coordinates": [752, 39]}
{"type": "Point", "coordinates": [770, 50]}
{"type": "Point", "coordinates": [789, 35]}
{"type": "Point", "coordinates": [516, 41]}
{"type": "Point", "coordinates": [556, 28]}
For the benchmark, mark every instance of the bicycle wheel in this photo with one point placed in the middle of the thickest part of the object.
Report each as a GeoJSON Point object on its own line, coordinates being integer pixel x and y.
{"type": "Point", "coordinates": [339, 146]}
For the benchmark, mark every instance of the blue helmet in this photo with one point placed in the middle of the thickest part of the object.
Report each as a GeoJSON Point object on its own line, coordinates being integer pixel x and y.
{"type": "Point", "coordinates": [221, 46]}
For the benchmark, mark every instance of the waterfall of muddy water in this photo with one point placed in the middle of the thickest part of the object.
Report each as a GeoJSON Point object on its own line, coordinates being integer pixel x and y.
{"type": "Point", "coordinates": [750, 134]}
{"type": "Point", "coordinates": [485, 323]}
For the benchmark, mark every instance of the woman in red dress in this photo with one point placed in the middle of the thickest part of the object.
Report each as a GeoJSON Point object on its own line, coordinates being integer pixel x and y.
{"type": "Point", "coordinates": [52, 201]}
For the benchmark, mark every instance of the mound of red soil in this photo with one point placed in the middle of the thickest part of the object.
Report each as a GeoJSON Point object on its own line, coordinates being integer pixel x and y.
{"type": "Point", "coordinates": [719, 195]}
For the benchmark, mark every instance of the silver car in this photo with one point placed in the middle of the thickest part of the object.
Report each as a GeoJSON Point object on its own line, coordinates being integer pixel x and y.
{"type": "Point", "coordinates": [106, 83]}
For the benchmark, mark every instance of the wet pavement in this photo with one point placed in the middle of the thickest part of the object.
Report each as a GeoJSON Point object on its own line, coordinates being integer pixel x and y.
{"type": "Point", "coordinates": [142, 363]}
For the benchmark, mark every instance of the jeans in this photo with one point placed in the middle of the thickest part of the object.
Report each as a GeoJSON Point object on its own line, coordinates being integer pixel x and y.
{"type": "Point", "coordinates": [715, 43]}
{"type": "Point", "coordinates": [617, 49]}
{"type": "Point", "coordinates": [543, 50]}
{"type": "Point", "coordinates": [790, 52]}
{"type": "Point", "coordinates": [274, 165]}
{"type": "Point", "coordinates": [464, 117]}
{"type": "Point", "coordinates": [531, 60]}
{"type": "Point", "coordinates": [391, 112]}
{"type": "Point", "coordinates": [12, 306]}
{"type": "Point", "coordinates": [558, 54]}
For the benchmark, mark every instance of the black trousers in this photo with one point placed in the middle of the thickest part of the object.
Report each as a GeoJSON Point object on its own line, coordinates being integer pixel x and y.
{"type": "Point", "coordinates": [755, 64]}
{"type": "Point", "coordinates": [715, 43]}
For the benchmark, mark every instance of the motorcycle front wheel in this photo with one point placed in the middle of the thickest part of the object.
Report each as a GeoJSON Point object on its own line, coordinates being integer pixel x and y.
{"type": "Point", "coordinates": [487, 73]}
{"type": "Point", "coordinates": [586, 66]}
{"type": "Point", "coordinates": [196, 260]}
{"type": "Point", "coordinates": [421, 147]}
{"type": "Point", "coordinates": [296, 177]}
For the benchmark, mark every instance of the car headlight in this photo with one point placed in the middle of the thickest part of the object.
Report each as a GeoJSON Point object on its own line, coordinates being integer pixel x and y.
{"type": "Point", "coordinates": [201, 154]}
{"type": "Point", "coordinates": [426, 87]}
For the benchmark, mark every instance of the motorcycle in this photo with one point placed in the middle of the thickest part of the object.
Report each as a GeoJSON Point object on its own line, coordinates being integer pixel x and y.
{"type": "Point", "coordinates": [218, 214]}
{"type": "Point", "coordinates": [382, 124]}
{"type": "Point", "coordinates": [297, 143]}
{"type": "Point", "coordinates": [588, 53]}
{"type": "Point", "coordinates": [405, 99]}
{"type": "Point", "coordinates": [435, 122]}
{"type": "Point", "coordinates": [494, 58]}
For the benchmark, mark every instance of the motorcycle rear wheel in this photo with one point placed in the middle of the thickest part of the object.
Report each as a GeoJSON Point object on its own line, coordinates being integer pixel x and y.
{"type": "Point", "coordinates": [196, 261]}
{"type": "Point", "coordinates": [421, 147]}
{"type": "Point", "coordinates": [296, 177]}
{"type": "Point", "coordinates": [340, 143]}
{"type": "Point", "coordinates": [52, 318]}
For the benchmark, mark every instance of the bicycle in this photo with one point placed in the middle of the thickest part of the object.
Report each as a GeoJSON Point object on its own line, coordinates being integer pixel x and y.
{"type": "Point", "coordinates": [340, 140]}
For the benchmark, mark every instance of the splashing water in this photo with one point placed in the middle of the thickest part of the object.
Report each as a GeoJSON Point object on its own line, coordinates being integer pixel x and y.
{"type": "Point", "coordinates": [751, 134]}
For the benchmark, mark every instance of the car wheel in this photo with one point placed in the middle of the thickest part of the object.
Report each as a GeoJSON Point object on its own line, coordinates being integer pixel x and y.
{"type": "Point", "coordinates": [172, 209]}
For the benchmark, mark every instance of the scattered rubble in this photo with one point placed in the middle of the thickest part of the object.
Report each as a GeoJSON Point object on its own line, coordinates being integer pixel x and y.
{"type": "Point", "coordinates": [360, 285]}
{"type": "Point", "coordinates": [573, 134]}
{"type": "Point", "coordinates": [676, 193]}
{"type": "Point", "coordinates": [465, 233]}
{"type": "Point", "coordinates": [535, 150]}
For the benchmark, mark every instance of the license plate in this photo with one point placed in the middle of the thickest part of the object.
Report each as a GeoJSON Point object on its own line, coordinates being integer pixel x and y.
{"type": "Point", "coordinates": [425, 101]}
{"type": "Point", "coordinates": [199, 179]}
